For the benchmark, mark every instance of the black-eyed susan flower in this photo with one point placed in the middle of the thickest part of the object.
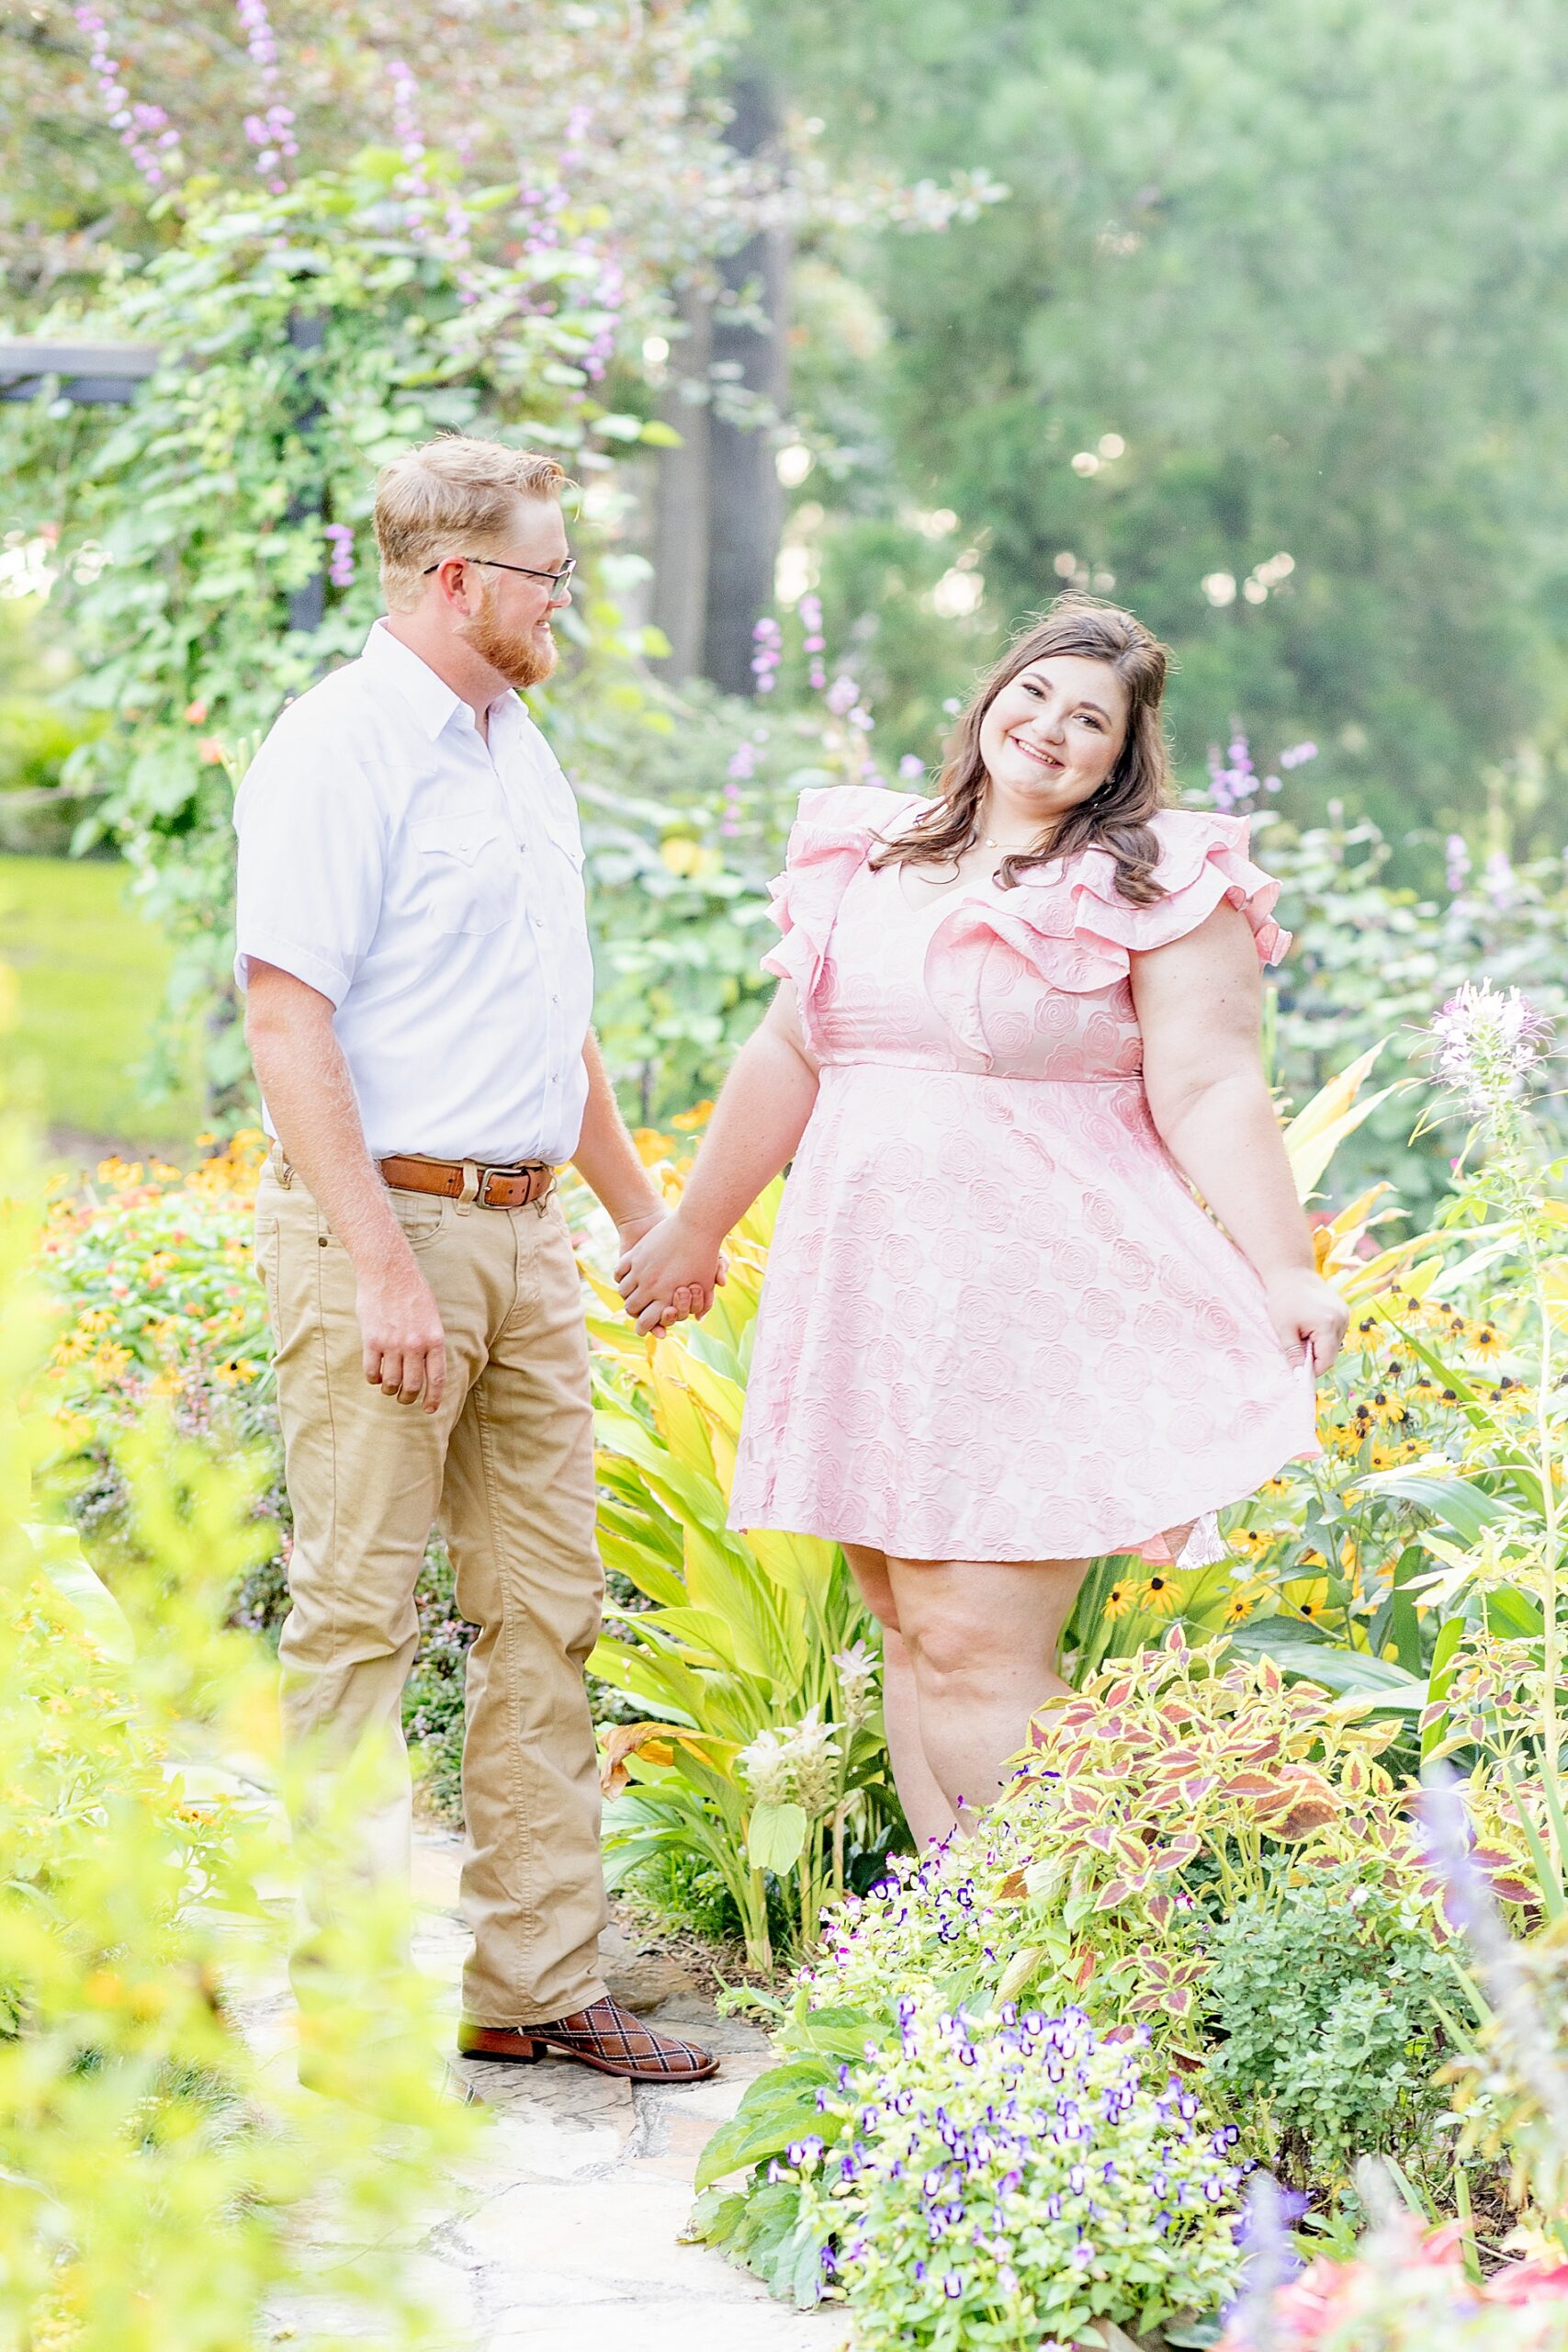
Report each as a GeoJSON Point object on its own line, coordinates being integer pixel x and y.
{"type": "Point", "coordinates": [1482, 1339]}
{"type": "Point", "coordinates": [1120, 1597]}
{"type": "Point", "coordinates": [1308, 1597]}
{"type": "Point", "coordinates": [1160, 1594]}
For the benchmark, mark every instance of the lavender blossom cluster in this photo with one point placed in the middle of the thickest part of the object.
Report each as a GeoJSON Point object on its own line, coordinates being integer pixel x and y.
{"type": "Point", "coordinates": [1017, 2172]}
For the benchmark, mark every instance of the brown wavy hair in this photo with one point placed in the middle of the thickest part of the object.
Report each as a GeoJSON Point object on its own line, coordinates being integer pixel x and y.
{"type": "Point", "coordinates": [1117, 818]}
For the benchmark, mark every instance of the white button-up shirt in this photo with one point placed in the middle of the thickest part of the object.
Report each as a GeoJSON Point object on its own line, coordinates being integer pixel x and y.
{"type": "Point", "coordinates": [431, 886]}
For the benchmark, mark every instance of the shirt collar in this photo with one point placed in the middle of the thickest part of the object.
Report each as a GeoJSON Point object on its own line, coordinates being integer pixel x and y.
{"type": "Point", "coordinates": [432, 700]}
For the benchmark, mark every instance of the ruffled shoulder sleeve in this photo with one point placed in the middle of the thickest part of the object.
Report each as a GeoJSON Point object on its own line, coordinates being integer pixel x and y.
{"type": "Point", "coordinates": [835, 831]}
{"type": "Point", "coordinates": [1205, 863]}
{"type": "Point", "coordinates": [1071, 923]}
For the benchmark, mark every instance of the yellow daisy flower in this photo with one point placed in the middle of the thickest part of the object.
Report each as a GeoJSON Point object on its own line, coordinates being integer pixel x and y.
{"type": "Point", "coordinates": [1309, 1599]}
{"type": "Point", "coordinates": [1160, 1594]}
{"type": "Point", "coordinates": [1483, 1341]}
{"type": "Point", "coordinates": [1120, 1597]}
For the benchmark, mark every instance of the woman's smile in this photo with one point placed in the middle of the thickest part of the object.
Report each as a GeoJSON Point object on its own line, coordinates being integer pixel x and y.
{"type": "Point", "coordinates": [1038, 753]}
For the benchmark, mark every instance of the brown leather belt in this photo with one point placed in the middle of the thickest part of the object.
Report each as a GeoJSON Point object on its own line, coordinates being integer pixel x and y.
{"type": "Point", "coordinates": [514, 1187]}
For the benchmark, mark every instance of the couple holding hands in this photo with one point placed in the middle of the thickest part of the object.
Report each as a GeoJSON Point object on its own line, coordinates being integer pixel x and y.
{"type": "Point", "coordinates": [1012, 1054]}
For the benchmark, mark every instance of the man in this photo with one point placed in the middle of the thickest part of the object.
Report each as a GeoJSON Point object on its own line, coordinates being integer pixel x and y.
{"type": "Point", "coordinates": [412, 943]}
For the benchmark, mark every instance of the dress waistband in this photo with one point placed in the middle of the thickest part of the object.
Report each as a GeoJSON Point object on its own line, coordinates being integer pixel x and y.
{"type": "Point", "coordinates": [990, 1077]}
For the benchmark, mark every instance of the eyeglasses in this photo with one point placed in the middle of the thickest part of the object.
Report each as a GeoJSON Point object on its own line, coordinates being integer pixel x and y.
{"type": "Point", "coordinates": [556, 579]}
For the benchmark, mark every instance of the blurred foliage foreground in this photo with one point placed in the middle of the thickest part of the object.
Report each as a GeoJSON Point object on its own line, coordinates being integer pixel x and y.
{"type": "Point", "coordinates": [165, 2184]}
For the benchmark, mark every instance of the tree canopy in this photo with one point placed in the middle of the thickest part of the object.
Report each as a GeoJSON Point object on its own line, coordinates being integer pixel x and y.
{"type": "Point", "coordinates": [1278, 280]}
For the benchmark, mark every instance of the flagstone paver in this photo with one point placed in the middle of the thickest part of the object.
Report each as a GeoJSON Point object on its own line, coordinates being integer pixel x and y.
{"type": "Point", "coordinates": [561, 2234]}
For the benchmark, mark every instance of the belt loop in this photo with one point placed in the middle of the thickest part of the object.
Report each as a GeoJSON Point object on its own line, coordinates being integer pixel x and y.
{"type": "Point", "coordinates": [471, 1191]}
{"type": "Point", "coordinates": [280, 1167]}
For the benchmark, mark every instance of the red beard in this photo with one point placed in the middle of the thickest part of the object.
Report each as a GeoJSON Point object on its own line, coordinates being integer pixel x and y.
{"type": "Point", "coordinates": [522, 657]}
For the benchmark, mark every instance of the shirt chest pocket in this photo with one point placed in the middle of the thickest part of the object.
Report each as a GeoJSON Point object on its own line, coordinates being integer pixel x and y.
{"type": "Point", "coordinates": [566, 845]}
{"type": "Point", "coordinates": [465, 873]}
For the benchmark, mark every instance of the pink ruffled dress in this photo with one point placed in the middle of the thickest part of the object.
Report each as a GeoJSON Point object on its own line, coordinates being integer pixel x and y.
{"type": "Point", "coordinates": [997, 1325]}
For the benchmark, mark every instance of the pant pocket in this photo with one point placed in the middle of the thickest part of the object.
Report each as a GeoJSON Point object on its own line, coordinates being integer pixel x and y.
{"type": "Point", "coordinates": [268, 1244]}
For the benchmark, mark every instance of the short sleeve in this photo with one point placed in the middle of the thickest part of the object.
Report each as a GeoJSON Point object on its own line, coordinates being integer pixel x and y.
{"type": "Point", "coordinates": [1205, 862]}
{"type": "Point", "coordinates": [835, 829]}
{"type": "Point", "coordinates": [311, 862]}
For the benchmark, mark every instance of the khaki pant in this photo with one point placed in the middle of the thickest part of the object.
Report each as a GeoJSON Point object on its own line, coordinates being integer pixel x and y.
{"type": "Point", "coordinates": [507, 1468]}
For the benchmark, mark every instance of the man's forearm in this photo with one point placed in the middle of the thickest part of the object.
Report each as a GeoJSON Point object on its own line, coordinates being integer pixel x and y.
{"type": "Point", "coordinates": [308, 1090]}
{"type": "Point", "coordinates": [606, 1158]}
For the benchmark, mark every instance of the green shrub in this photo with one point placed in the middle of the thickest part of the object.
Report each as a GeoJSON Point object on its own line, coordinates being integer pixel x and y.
{"type": "Point", "coordinates": [760, 1751]}
{"type": "Point", "coordinates": [164, 2187]}
{"type": "Point", "coordinates": [1325, 2005]}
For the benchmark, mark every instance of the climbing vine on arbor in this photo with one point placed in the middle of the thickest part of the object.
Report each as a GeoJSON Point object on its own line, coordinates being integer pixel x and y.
{"type": "Point", "coordinates": [306, 336]}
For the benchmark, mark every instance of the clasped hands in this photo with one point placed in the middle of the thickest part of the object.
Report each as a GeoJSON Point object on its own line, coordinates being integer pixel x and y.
{"type": "Point", "coordinates": [667, 1270]}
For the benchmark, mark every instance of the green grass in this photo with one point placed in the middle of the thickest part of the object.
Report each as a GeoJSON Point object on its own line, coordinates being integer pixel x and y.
{"type": "Point", "coordinates": [91, 976]}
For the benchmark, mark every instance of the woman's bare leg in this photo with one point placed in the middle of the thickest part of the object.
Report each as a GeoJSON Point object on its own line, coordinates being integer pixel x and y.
{"type": "Point", "coordinates": [926, 1810]}
{"type": "Point", "coordinates": [983, 1638]}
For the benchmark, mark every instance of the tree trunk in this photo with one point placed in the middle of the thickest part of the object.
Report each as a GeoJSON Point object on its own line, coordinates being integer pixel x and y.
{"type": "Point", "coordinates": [744, 502]}
{"type": "Point", "coordinates": [681, 510]}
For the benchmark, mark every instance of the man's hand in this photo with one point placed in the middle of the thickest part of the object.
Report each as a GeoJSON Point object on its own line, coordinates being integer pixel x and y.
{"type": "Point", "coordinates": [666, 1271]}
{"type": "Point", "coordinates": [400, 1324]}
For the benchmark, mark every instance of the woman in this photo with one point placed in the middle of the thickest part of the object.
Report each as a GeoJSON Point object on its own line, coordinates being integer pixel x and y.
{"type": "Point", "coordinates": [998, 1336]}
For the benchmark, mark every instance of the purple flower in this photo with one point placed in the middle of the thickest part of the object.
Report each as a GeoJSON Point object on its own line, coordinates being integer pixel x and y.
{"type": "Point", "coordinates": [1233, 776]}
{"type": "Point", "coordinates": [1457, 852]}
{"type": "Point", "coordinates": [1298, 755]}
{"type": "Point", "coordinates": [340, 569]}
{"type": "Point", "coordinates": [144, 130]}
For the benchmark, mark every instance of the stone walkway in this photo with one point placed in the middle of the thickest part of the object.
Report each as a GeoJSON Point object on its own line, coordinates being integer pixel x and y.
{"type": "Point", "coordinates": [562, 2233]}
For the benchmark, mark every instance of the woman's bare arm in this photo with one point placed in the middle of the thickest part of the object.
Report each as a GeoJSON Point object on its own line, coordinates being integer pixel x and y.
{"type": "Point", "coordinates": [1198, 1005]}
{"type": "Point", "coordinates": [754, 1132]}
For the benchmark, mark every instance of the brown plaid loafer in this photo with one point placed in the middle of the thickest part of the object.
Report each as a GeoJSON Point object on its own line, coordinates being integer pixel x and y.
{"type": "Point", "coordinates": [603, 2035]}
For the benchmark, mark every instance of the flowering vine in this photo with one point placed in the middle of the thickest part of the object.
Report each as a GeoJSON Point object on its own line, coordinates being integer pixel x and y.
{"type": "Point", "coordinates": [145, 130]}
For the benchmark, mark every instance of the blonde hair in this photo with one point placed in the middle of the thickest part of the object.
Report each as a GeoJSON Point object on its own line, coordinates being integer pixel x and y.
{"type": "Point", "coordinates": [452, 489]}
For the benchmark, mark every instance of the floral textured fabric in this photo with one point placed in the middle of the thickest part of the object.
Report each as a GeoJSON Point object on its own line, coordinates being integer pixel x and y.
{"type": "Point", "coordinates": [997, 1325]}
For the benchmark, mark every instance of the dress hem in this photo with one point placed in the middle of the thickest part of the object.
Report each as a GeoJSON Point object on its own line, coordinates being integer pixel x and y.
{"type": "Point", "coordinates": [1184, 1515]}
